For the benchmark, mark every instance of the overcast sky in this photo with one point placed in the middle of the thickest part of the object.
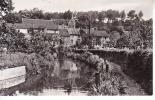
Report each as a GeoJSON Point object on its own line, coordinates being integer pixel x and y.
{"type": "Point", "coordinates": [86, 5]}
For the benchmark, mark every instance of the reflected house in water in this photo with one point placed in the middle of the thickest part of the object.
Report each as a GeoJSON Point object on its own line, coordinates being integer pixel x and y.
{"type": "Point", "coordinates": [66, 79]}
{"type": "Point", "coordinates": [69, 73]}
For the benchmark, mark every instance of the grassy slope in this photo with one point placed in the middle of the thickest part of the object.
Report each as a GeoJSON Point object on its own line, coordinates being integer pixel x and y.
{"type": "Point", "coordinates": [33, 62]}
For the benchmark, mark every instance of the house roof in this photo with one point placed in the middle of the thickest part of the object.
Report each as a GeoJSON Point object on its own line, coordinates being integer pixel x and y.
{"type": "Point", "coordinates": [96, 33]}
{"type": "Point", "coordinates": [64, 32]}
{"type": "Point", "coordinates": [36, 23]}
{"type": "Point", "coordinates": [99, 33]}
{"type": "Point", "coordinates": [73, 31]}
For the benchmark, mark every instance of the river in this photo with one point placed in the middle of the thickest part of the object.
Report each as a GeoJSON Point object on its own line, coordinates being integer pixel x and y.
{"type": "Point", "coordinates": [67, 78]}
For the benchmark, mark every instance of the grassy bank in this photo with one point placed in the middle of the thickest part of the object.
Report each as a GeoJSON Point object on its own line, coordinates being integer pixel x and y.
{"type": "Point", "coordinates": [107, 83]}
{"type": "Point", "coordinates": [34, 62]}
{"type": "Point", "coordinates": [136, 64]}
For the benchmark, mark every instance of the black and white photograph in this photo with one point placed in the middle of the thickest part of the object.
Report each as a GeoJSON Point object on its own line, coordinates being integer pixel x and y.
{"type": "Point", "coordinates": [76, 47]}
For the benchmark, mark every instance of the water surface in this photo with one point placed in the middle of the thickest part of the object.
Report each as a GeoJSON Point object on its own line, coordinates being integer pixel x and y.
{"type": "Point", "coordinates": [67, 78]}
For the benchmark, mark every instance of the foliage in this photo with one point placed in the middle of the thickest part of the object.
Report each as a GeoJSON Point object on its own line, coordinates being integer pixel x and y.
{"type": "Point", "coordinates": [131, 14]}
{"type": "Point", "coordinates": [122, 15]}
{"type": "Point", "coordinates": [122, 42]}
{"type": "Point", "coordinates": [42, 42]}
{"type": "Point", "coordinates": [12, 18]}
{"type": "Point", "coordinates": [34, 63]}
{"type": "Point", "coordinates": [5, 6]}
{"type": "Point", "coordinates": [67, 15]}
{"type": "Point", "coordinates": [12, 39]}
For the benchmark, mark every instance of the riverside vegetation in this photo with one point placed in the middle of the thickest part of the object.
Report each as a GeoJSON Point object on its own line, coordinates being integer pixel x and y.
{"type": "Point", "coordinates": [120, 80]}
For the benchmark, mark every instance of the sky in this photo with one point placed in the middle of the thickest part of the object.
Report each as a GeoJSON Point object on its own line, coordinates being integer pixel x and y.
{"type": "Point", "coordinates": [86, 5]}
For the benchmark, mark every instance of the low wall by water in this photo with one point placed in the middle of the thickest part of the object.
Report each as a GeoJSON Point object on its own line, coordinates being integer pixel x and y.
{"type": "Point", "coordinates": [12, 72]}
{"type": "Point", "coordinates": [12, 76]}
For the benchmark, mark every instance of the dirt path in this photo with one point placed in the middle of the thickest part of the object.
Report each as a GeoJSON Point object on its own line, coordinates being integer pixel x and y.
{"type": "Point", "coordinates": [132, 87]}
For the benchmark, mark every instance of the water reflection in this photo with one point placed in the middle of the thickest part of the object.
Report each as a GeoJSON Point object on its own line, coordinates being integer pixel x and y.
{"type": "Point", "coordinates": [67, 78]}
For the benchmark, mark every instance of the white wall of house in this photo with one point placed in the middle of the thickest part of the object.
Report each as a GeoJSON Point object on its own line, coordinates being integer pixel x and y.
{"type": "Point", "coordinates": [51, 31]}
{"type": "Point", "coordinates": [104, 40]}
{"type": "Point", "coordinates": [73, 39]}
{"type": "Point", "coordinates": [23, 30]}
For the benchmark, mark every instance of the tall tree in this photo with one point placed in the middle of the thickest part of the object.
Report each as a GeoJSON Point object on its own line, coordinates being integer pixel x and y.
{"type": "Point", "coordinates": [131, 14]}
{"type": "Point", "coordinates": [25, 13]}
{"type": "Point", "coordinates": [140, 14]}
{"type": "Point", "coordinates": [101, 15]}
{"type": "Point", "coordinates": [67, 15]}
{"type": "Point", "coordinates": [5, 6]}
{"type": "Point", "coordinates": [112, 15]}
{"type": "Point", "coordinates": [122, 15]}
{"type": "Point", "coordinates": [37, 13]}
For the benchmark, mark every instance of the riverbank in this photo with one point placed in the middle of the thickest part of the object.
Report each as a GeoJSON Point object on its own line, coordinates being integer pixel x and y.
{"type": "Point", "coordinates": [137, 64]}
{"type": "Point", "coordinates": [111, 82]}
{"type": "Point", "coordinates": [33, 62]}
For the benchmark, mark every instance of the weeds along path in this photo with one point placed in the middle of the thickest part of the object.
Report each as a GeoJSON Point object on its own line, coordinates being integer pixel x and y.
{"type": "Point", "coordinates": [133, 88]}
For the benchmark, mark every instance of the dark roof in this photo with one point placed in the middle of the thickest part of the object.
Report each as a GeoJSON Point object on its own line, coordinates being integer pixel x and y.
{"type": "Point", "coordinates": [64, 33]}
{"type": "Point", "coordinates": [73, 31]}
{"type": "Point", "coordinates": [36, 23]}
{"type": "Point", "coordinates": [96, 33]}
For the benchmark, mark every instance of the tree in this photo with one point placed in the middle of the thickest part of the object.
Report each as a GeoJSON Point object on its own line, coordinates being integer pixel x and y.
{"type": "Point", "coordinates": [12, 18]}
{"type": "Point", "coordinates": [101, 15]}
{"type": "Point", "coordinates": [5, 7]}
{"type": "Point", "coordinates": [47, 16]}
{"type": "Point", "coordinates": [131, 14]}
{"type": "Point", "coordinates": [67, 15]}
{"type": "Point", "coordinates": [122, 15]}
{"type": "Point", "coordinates": [112, 14]}
{"type": "Point", "coordinates": [140, 14]}
{"type": "Point", "coordinates": [37, 13]}
{"type": "Point", "coordinates": [82, 21]}
{"type": "Point", "coordinates": [123, 42]}
{"type": "Point", "coordinates": [25, 13]}
{"type": "Point", "coordinates": [13, 40]}
{"type": "Point", "coordinates": [93, 17]}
